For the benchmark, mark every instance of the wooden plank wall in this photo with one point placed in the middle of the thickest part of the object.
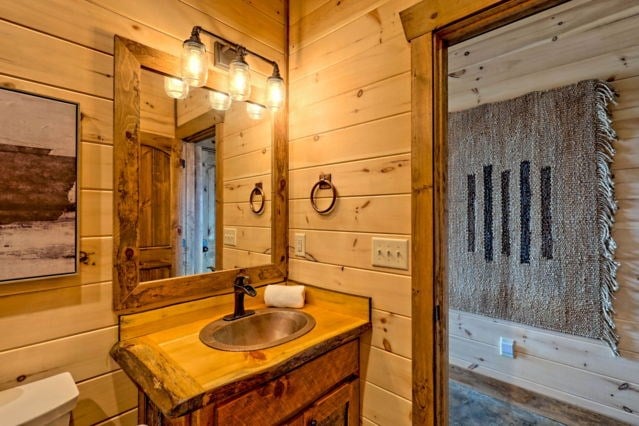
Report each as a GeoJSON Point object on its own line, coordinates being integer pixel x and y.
{"type": "Point", "coordinates": [247, 160]}
{"type": "Point", "coordinates": [350, 99]}
{"type": "Point", "coordinates": [64, 48]}
{"type": "Point", "coordinates": [579, 40]}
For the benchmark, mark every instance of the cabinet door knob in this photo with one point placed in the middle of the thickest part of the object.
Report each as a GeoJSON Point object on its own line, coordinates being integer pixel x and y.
{"type": "Point", "coordinates": [313, 422]}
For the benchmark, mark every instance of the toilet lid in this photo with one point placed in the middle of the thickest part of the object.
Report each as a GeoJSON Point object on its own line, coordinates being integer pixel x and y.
{"type": "Point", "coordinates": [38, 402]}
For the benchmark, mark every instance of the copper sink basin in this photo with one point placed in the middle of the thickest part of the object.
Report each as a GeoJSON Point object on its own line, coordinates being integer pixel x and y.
{"type": "Point", "coordinates": [265, 329]}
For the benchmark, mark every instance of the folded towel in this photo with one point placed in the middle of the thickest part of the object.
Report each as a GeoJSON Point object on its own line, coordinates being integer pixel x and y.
{"type": "Point", "coordinates": [284, 296]}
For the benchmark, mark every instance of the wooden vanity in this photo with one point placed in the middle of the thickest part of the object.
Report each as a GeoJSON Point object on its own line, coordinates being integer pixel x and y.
{"type": "Point", "coordinates": [313, 379]}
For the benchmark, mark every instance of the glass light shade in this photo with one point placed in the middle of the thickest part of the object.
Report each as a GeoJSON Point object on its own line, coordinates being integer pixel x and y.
{"type": "Point", "coordinates": [239, 80]}
{"type": "Point", "coordinates": [195, 64]}
{"type": "Point", "coordinates": [219, 100]}
{"type": "Point", "coordinates": [255, 111]}
{"type": "Point", "coordinates": [274, 93]}
{"type": "Point", "coordinates": [176, 87]}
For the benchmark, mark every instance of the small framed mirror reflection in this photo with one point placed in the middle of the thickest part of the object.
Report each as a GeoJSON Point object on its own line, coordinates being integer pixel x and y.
{"type": "Point", "coordinates": [184, 171]}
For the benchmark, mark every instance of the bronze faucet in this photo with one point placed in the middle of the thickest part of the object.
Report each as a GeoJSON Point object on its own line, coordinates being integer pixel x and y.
{"type": "Point", "coordinates": [240, 288]}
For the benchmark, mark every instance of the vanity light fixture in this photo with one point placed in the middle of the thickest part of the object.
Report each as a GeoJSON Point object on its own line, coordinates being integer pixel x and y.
{"type": "Point", "coordinates": [255, 110]}
{"type": "Point", "coordinates": [239, 77]}
{"type": "Point", "coordinates": [176, 87]}
{"type": "Point", "coordinates": [219, 100]}
{"type": "Point", "coordinates": [194, 70]}
{"type": "Point", "coordinates": [195, 64]}
{"type": "Point", "coordinates": [275, 90]}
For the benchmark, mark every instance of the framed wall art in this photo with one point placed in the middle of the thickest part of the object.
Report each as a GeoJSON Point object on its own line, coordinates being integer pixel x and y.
{"type": "Point", "coordinates": [38, 186]}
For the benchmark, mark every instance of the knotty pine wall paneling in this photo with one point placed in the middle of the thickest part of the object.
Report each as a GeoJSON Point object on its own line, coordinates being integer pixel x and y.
{"type": "Point", "coordinates": [579, 40]}
{"type": "Point", "coordinates": [64, 49]}
{"type": "Point", "coordinates": [246, 153]}
{"type": "Point", "coordinates": [349, 89]}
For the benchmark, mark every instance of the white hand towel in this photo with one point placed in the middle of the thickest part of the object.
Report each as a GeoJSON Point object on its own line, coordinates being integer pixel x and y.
{"type": "Point", "coordinates": [284, 296]}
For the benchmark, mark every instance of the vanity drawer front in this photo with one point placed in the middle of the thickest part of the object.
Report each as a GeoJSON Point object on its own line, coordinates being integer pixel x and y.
{"type": "Point", "coordinates": [280, 398]}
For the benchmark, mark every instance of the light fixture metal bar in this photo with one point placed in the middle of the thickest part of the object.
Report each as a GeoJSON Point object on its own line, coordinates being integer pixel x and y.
{"type": "Point", "coordinates": [197, 29]}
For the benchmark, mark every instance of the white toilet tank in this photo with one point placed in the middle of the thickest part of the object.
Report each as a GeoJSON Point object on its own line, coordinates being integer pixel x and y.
{"type": "Point", "coordinates": [44, 402]}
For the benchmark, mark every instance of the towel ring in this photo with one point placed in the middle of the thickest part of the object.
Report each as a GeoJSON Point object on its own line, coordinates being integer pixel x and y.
{"type": "Point", "coordinates": [257, 191]}
{"type": "Point", "coordinates": [324, 182]}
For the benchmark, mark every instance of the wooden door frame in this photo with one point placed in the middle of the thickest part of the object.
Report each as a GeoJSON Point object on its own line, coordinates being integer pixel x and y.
{"type": "Point", "coordinates": [431, 26]}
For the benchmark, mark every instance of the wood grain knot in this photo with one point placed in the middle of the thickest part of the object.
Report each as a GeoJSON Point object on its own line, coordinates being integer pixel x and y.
{"type": "Point", "coordinates": [387, 345]}
{"type": "Point", "coordinates": [279, 389]}
{"type": "Point", "coordinates": [257, 355]}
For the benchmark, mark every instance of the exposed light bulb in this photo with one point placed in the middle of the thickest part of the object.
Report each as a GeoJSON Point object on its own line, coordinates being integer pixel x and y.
{"type": "Point", "coordinates": [195, 66]}
{"type": "Point", "coordinates": [219, 100]}
{"type": "Point", "coordinates": [176, 87]}
{"type": "Point", "coordinates": [275, 91]}
{"type": "Point", "coordinates": [239, 77]}
{"type": "Point", "coordinates": [254, 110]}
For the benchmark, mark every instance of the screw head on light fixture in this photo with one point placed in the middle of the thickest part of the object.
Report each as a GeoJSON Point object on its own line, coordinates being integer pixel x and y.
{"type": "Point", "coordinates": [195, 64]}
{"type": "Point", "coordinates": [239, 77]}
{"type": "Point", "coordinates": [255, 110]}
{"type": "Point", "coordinates": [275, 90]}
{"type": "Point", "coordinates": [219, 100]}
{"type": "Point", "coordinates": [176, 87]}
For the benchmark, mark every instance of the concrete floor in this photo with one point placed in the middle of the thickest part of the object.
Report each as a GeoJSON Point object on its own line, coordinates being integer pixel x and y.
{"type": "Point", "coordinates": [468, 407]}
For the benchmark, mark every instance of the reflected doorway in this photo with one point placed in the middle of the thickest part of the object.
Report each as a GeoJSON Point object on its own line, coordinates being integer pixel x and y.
{"type": "Point", "coordinates": [197, 207]}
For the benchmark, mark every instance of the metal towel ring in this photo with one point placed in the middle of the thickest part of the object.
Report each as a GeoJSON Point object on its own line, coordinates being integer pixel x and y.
{"type": "Point", "coordinates": [257, 190]}
{"type": "Point", "coordinates": [324, 182]}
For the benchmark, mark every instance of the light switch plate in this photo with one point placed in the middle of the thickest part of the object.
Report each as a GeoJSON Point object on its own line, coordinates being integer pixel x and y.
{"type": "Point", "coordinates": [230, 237]}
{"type": "Point", "coordinates": [506, 347]}
{"type": "Point", "coordinates": [300, 244]}
{"type": "Point", "coordinates": [390, 253]}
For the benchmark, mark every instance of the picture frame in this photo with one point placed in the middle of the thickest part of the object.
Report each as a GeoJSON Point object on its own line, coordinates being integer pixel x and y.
{"type": "Point", "coordinates": [39, 154]}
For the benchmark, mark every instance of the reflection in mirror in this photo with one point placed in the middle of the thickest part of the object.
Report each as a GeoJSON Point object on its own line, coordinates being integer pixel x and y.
{"type": "Point", "coordinates": [179, 182]}
{"type": "Point", "coordinates": [247, 160]}
{"type": "Point", "coordinates": [184, 173]}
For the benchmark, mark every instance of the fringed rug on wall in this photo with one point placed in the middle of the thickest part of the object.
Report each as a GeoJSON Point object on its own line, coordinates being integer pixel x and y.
{"type": "Point", "coordinates": [530, 210]}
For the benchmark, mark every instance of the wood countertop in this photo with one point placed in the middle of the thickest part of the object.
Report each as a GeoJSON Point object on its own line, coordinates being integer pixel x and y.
{"type": "Point", "coordinates": [161, 352]}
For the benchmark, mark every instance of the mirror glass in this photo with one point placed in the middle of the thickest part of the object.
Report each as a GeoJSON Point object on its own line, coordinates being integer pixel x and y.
{"type": "Point", "coordinates": [184, 225]}
{"type": "Point", "coordinates": [197, 170]}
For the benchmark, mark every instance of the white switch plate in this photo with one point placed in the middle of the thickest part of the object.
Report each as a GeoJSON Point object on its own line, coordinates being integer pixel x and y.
{"type": "Point", "coordinates": [230, 237]}
{"type": "Point", "coordinates": [506, 347]}
{"type": "Point", "coordinates": [300, 244]}
{"type": "Point", "coordinates": [390, 253]}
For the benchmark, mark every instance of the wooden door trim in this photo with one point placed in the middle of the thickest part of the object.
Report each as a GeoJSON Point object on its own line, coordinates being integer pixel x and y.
{"type": "Point", "coordinates": [431, 26]}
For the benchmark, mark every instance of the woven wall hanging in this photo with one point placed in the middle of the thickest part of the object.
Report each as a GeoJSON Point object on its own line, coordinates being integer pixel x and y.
{"type": "Point", "coordinates": [531, 206]}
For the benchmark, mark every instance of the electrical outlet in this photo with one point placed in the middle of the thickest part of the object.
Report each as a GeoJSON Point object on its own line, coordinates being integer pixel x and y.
{"type": "Point", "coordinates": [390, 253]}
{"type": "Point", "coordinates": [230, 236]}
{"type": "Point", "coordinates": [506, 347]}
{"type": "Point", "coordinates": [300, 244]}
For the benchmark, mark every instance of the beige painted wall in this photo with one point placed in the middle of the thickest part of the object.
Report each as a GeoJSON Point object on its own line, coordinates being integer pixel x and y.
{"type": "Point", "coordinates": [579, 40]}
{"type": "Point", "coordinates": [64, 48]}
{"type": "Point", "coordinates": [350, 116]}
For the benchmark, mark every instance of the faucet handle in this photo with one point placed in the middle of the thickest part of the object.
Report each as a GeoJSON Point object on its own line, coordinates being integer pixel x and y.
{"type": "Point", "coordinates": [241, 280]}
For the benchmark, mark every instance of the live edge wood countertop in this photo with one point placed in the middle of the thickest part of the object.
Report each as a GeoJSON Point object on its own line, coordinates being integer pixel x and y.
{"type": "Point", "coordinates": [161, 352]}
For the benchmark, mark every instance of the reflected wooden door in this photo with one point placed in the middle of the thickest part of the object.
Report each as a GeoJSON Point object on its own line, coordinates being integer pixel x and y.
{"type": "Point", "coordinates": [156, 240]}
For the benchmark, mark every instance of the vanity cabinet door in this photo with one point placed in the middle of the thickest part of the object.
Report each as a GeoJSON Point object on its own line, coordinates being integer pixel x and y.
{"type": "Point", "coordinates": [338, 408]}
{"type": "Point", "coordinates": [281, 398]}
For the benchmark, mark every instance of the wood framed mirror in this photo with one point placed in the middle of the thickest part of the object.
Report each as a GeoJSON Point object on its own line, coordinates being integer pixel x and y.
{"type": "Point", "coordinates": [149, 236]}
